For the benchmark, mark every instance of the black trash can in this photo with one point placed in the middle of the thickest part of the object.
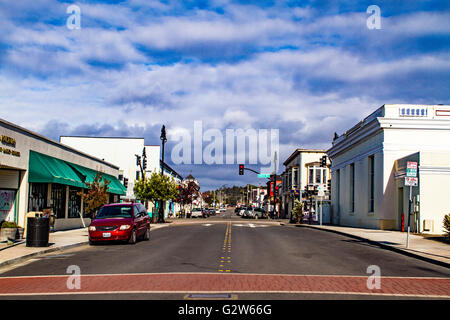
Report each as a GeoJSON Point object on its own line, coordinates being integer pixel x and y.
{"type": "Point", "coordinates": [38, 230]}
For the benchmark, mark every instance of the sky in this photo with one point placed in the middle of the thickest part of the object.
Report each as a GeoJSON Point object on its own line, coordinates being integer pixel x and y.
{"type": "Point", "coordinates": [305, 68]}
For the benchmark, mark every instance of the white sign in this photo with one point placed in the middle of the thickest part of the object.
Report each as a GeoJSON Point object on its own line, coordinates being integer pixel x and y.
{"type": "Point", "coordinates": [321, 191]}
{"type": "Point", "coordinates": [410, 181]}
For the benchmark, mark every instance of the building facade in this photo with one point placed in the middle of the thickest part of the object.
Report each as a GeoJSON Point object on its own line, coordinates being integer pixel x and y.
{"type": "Point", "coordinates": [38, 173]}
{"type": "Point", "coordinates": [302, 169]}
{"type": "Point", "coordinates": [122, 152]}
{"type": "Point", "coordinates": [368, 169]}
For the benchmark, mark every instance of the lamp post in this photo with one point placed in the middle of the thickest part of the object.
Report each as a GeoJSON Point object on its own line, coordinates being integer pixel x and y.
{"type": "Point", "coordinates": [163, 141]}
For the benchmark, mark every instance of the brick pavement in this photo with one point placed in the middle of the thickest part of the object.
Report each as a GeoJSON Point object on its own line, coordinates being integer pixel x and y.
{"type": "Point", "coordinates": [225, 282]}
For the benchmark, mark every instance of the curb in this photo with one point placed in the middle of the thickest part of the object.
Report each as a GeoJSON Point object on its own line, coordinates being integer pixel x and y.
{"type": "Point", "coordinates": [49, 250]}
{"type": "Point", "coordinates": [34, 254]}
{"type": "Point", "coordinates": [382, 245]}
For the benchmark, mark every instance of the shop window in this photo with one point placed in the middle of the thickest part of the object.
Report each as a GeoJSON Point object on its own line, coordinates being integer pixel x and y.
{"type": "Point", "coordinates": [58, 200]}
{"type": "Point", "coordinates": [74, 202]}
{"type": "Point", "coordinates": [352, 187]}
{"type": "Point", "coordinates": [371, 183]}
{"type": "Point", "coordinates": [37, 199]}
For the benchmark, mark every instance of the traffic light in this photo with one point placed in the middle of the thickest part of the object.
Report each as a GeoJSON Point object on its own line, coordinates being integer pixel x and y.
{"type": "Point", "coordinates": [144, 164]}
{"type": "Point", "coordinates": [138, 160]}
{"type": "Point", "coordinates": [329, 184]}
{"type": "Point", "coordinates": [323, 161]}
{"type": "Point", "coordinates": [241, 169]}
{"type": "Point", "coordinates": [316, 191]}
{"type": "Point", "coordinates": [125, 182]}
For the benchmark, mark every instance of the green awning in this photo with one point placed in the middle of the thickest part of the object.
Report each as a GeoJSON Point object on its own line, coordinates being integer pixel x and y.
{"type": "Point", "coordinates": [46, 169]}
{"type": "Point", "coordinates": [88, 175]}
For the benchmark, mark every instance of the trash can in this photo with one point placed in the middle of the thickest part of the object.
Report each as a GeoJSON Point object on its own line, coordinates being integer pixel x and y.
{"type": "Point", "coordinates": [38, 230]}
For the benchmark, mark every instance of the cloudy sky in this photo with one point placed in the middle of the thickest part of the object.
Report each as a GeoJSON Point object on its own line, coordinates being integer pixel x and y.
{"type": "Point", "coordinates": [306, 68]}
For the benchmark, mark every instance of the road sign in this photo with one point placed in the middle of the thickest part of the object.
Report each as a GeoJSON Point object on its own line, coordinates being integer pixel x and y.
{"type": "Point", "coordinates": [261, 175]}
{"type": "Point", "coordinates": [411, 181]}
{"type": "Point", "coordinates": [321, 192]}
{"type": "Point", "coordinates": [411, 169]}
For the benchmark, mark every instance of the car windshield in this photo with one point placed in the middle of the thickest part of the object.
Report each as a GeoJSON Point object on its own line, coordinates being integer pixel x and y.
{"type": "Point", "coordinates": [114, 212]}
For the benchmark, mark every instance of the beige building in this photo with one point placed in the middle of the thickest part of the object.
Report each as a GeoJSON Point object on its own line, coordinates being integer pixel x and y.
{"type": "Point", "coordinates": [38, 173]}
{"type": "Point", "coordinates": [302, 169]}
{"type": "Point", "coordinates": [369, 167]}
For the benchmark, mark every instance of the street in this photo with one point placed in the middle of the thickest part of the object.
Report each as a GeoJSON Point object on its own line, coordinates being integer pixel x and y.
{"type": "Point", "coordinates": [226, 254]}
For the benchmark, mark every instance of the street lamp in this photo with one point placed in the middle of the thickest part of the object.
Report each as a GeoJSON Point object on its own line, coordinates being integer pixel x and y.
{"type": "Point", "coordinates": [163, 141]}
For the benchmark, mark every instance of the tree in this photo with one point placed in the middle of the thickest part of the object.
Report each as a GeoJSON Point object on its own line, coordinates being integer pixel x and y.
{"type": "Point", "coordinates": [156, 188]}
{"type": "Point", "coordinates": [297, 211]}
{"type": "Point", "coordinates": [189, 191]}
{"type": "Point", "coordinates": [209, 197]}
{"type": "Point", "coordinates": [96, 196]}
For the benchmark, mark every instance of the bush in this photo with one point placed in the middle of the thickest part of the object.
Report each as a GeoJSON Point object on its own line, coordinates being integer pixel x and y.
{"type": "Point", "coordinates": [7, 224]}
{"type": "Point", "coordinates": [297, 211]}
{"type": "Point", "coordinates": [447, 224]}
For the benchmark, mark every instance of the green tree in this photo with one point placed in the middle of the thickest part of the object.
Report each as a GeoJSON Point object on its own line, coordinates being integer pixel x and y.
{"type": "Point", "coordinates": [156, 188]}
{"type": "Point", "coordinates": [96, 196]}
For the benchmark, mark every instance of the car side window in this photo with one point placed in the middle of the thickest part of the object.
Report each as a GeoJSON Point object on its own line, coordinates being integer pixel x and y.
{"type": "Point", "coordinates": [143, 210]}
{"type": "Point", "coordinates": [137, 214]}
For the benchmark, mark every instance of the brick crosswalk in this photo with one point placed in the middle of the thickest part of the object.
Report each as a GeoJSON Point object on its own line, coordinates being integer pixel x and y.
{"type": "Point", "coordinates": [224, 282]}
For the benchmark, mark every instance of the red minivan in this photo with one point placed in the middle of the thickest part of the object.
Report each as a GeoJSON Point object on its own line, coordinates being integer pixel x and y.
{"type": "Point", "coordinates": [120, 221]}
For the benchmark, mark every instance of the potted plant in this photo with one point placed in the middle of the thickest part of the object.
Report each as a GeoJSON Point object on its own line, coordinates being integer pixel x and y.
{"type": "Point", "coordinates": [8, 230]}
{"type": "Point", "coordinates": [297, 211]}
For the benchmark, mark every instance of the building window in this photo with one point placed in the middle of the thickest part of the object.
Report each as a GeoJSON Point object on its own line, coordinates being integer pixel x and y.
{"type": "Point", "coordinates": [324, 176]}
{"type": "Point", "coordinates": [318, 175]}
{"type": "Point", "coordinates": [290, 179]}
{"type": "Point", "coordinates": [352, 187]}
{"type": "Point", "coordinates": [295, 183]}
{"type": "Point", "coordinates": [371, 183]}
{"type": "Point", "coordinates": [37, 200]}
{"type": "Point", "coordinates": [311, 176]}
{"type": "Point", "coordinates": [58, 200]}
{"type": "Point", "coordinates": [74, 205]}
{"type": "Point", "coordinates": [338, 189]}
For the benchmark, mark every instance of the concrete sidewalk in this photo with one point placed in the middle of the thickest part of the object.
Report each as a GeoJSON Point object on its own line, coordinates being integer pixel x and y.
{"type": "Point", "coordinates": [59, 240]}
{"type": "Point", "coordinates": [422, 247]}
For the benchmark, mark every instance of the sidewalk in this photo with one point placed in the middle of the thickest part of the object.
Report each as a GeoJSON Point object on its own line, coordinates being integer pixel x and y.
{"type": "Point", "coordinates": [421, 247]}
{"type": "Point", "coordinates": [59, 240]}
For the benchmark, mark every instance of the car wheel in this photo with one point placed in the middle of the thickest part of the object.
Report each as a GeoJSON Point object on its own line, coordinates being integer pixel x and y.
{"type": "Point", "coordinates": [256, 217]}
{"type": "Point", "coordinates": [147, 234]}
{"type": "Point", "coordinates": [132, 239]}
{"type": "Point", "coordinates": [91, 243]}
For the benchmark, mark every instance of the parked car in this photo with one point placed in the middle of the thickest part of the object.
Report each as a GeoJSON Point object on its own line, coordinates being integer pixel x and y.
{"type": "Point", "coordinates": [206, 213]}
{"type": "Point", "coordinates": [222, 209]}
{"type": "Point", "coordinates": [237, 209]}
{"type": "Point", "coordinates": [120, 221]}
{"type": "Point", "coordinates": [212, 212]}
{"type": "Point", "coordinates": [246, 212]}
{"type": "Point", "coordinates": [197, 213]}
{"type": "Point", "coordinates": [257, 213]}
{"type": "Point", "coordinates": [242, 211]}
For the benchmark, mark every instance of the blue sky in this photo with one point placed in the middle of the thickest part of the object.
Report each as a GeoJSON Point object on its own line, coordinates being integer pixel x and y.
{"type": "Point", "coordinates": [307, 68]}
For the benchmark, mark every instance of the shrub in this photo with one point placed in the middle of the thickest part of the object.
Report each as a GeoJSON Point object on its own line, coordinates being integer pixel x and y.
{"type": "Point", "coordinates": [8, 224]}
{"type": "Point", "coordinates": [297, 211]}
{"type": "Point", "coordinates": [447, 224]}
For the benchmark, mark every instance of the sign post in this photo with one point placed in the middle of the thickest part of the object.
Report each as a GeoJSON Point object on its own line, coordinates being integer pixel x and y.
{"type": "Point", "coordinates": [410, 180]}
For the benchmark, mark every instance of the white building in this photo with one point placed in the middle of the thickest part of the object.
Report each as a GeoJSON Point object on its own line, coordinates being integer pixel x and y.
{"type": "Point", "coordinates": [37, 173]}
{"type": "Point", "coordinates": [368, 169]}
{"type": "Point", "coordinates": [302, 170]}
{"type": "Point", "coordinates": [122, 152]}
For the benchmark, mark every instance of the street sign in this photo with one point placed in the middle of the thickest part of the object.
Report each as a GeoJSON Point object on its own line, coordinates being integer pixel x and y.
{"type": "Point", "coordinates": [411, 169]}
{"type": "Point", "coordinates": [261, 175]}
{"type": "Point", "coordinates": [321, 192]}
{"type": "Point", "coordinates": [411, 181]}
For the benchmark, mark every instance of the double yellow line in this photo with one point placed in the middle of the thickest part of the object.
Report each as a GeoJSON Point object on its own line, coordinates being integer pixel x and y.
{"type": "Point", "coordinates": [225, 259]}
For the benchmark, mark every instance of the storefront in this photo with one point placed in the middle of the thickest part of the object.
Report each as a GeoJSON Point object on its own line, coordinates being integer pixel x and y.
{"type": "Point", "coordinates": [38, 173]}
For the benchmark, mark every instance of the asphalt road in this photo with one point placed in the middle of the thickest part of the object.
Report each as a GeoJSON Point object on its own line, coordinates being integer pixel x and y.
{"type": "Point", "coordinates": [229, 245]}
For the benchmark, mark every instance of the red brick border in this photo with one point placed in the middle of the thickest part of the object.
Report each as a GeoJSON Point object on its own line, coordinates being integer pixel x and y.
{"type": "Point", "coordinates": [225, 282]}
